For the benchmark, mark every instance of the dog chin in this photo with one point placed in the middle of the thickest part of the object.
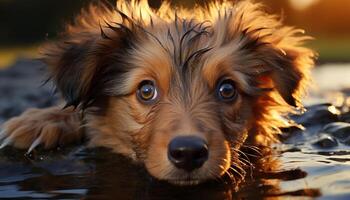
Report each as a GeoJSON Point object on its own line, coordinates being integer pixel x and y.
{"type": "Point", "coordinates": [188, 180]}
{"type": "Point", "coordinates": [185, 182]}
{"type": "Point", "coordinates": [183, 178]}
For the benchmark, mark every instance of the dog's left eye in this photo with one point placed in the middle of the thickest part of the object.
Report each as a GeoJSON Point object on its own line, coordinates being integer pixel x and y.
{"type": "Point", "coordinates": [147, 92]}
{"type": "Point", "coordinates": [226, 90]}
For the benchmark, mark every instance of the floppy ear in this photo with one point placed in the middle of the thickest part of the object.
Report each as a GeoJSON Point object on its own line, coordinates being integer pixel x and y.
{"type": "Point", "coordinates": [80, 61]}
{"type": "Point", "coordinates": [72, 67]}
{"type": "Point", "coordinates": [277, 50]}
{"type": "Point", "coordinates": [291, 64]}
{"type": "Point", "coordinates": [284, 62]}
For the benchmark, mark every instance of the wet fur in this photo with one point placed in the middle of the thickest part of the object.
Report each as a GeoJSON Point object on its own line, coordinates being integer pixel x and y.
{"type": "Point", "coordinates": [102, 57]}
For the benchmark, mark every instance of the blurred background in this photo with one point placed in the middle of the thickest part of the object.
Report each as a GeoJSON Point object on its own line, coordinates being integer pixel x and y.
{"type": "Point", "coordinates": [24, 24]}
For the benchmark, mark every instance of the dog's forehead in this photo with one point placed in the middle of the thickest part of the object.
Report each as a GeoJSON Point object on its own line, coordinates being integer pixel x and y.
{"type": "Point", "coordinates": [185, 51]}
{"type": "Point", "coordinates": [205, 45]}
{"type": "Point", "coordinates": [180, 41]}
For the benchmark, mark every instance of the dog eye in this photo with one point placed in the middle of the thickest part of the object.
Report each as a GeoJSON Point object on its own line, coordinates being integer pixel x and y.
{"type": "Point", "coordinates": [147, 92]}
{"type": "Point", "coordinates": [226, 90]}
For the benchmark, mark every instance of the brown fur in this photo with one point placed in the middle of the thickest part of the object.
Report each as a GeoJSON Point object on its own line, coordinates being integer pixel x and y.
{"type": "Point", "coordinates": [51, 127]}
{"type": "Point", "coordinates": [101, 59]}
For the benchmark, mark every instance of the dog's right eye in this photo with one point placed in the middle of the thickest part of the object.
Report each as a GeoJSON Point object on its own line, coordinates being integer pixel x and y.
{"type": "Point", "coordinates": [226, 90]}
{"type": "Point", "coordinates": [147, 92]}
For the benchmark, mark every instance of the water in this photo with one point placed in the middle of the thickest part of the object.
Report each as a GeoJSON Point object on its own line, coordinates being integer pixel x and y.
{"type": "Point", "coordinates": [308, 164]}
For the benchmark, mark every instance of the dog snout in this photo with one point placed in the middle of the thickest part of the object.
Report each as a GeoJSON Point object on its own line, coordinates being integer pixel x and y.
{"type": "Point", "coordinates": [188, 152]}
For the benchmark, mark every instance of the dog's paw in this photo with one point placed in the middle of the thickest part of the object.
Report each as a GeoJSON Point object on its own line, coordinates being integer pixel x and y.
{"type": "Point", "coordinates": [49, 127]}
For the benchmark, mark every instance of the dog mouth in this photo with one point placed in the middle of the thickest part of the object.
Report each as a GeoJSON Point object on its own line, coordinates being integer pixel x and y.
{"type": "Point", "coordinates": [189, 179]}
{"type": "Point", "coordinates": [185, 182]}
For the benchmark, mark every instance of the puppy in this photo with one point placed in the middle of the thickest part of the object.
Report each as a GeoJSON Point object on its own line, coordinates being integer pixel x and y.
{"type": "Point", "coordinates": [183, 92]}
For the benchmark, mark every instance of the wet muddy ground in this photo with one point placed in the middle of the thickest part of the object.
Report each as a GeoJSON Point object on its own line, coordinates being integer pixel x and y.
{"type": "Point", "coordinates": [313, 162]}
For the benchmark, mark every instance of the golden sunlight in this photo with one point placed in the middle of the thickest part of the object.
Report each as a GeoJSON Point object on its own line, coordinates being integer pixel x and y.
{"type": "Point", "coordinates": [302, 4]}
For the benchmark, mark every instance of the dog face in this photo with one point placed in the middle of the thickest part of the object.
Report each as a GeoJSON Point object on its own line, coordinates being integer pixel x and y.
{"type": "Point", "coordinates": [181, 91]}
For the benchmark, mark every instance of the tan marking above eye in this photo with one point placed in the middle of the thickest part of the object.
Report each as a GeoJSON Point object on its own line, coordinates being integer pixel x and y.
{"type": "Point", "coordinates": [214, 73]}
{"type": "Point", "coordinates": [152, 62]}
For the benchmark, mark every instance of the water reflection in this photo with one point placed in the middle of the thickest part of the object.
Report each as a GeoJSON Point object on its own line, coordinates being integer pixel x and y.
{"type": "Point", "coordinates": [99, 174]}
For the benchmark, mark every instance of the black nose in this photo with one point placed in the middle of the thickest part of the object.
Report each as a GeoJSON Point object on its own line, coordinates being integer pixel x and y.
{"type": "Point", "coordinates": [188, 152]}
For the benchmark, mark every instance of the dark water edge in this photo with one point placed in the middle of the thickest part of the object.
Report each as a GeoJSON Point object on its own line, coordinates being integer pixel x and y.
{"type": "Point", "coordinates": [313, 163]}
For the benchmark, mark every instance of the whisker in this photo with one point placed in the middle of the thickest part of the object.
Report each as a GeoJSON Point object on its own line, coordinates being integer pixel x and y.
{"type": "Point", "coordinates": [237, 172]}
